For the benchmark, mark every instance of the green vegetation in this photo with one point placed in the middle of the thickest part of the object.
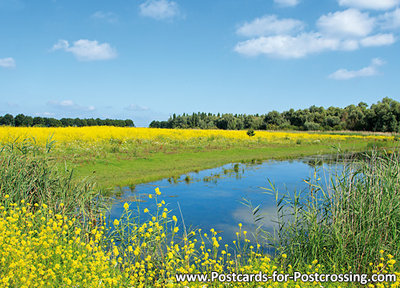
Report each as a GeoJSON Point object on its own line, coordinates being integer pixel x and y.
{"type": "Point", "coordinates": [381, 117]}
{"type": "Point", "coordinates": [37, 180]}
{"type": "Point", "coordinates": [347, 224]}
{"type": "Point", "coordinates": [341, 230]}
{"type": "Point", "coordinates": [129, 165]}
{"type": "Point", "coordinates": [21, 120]}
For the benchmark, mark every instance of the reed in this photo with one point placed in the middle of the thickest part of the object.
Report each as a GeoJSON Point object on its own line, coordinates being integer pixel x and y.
{"type": "Point", "coordinates": [347, 223]}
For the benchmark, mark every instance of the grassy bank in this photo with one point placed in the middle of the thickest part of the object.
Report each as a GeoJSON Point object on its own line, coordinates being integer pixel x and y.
{"type": "Point", "coordinates": [128, 156]}
{"type": "Point", "coordinates": [113, 170]}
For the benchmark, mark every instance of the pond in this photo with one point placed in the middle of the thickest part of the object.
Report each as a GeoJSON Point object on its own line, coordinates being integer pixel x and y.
{"type": "Point", "coordinates": [215, 198]}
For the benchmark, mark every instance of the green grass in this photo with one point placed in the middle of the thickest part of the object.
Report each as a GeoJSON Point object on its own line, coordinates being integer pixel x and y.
{"type": "Point", "coordinates": [115, 169]}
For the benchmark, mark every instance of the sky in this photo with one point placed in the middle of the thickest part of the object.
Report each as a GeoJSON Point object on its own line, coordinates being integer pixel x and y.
{"type": "Point", "coordinates": [147, 59]}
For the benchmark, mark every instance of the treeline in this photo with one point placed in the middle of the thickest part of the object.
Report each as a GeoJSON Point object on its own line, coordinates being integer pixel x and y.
{"type": "Point", "coordinates": [383, 116]}
{"type": "Point", "coordinates": [27, 121]}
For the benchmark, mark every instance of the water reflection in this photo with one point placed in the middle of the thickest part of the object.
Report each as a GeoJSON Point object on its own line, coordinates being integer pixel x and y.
{"type": "Point", "coordinates": [214, 198]}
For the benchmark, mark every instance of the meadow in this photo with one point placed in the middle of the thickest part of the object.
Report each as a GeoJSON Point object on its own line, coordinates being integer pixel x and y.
{"type": "Point", "coordinates": [54, 232]}
{"type": "Point", "coordinates": [127, 156]}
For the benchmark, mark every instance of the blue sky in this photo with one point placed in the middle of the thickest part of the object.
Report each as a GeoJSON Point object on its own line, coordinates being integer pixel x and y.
{"type": "Point", "coordinates": [147, 59]}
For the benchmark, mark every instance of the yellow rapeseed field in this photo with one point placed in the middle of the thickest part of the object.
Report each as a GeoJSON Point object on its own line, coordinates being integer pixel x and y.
{"type": "Point", "coordinates": [101, 133]}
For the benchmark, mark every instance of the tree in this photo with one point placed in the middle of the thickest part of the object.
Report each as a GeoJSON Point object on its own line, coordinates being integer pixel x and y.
{"type": "Point", "coordinates": [7, 120]}
{"type": "Point", "coordinates": [38, 121]}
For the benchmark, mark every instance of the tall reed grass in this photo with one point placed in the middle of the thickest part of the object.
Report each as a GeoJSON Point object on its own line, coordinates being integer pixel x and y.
{"type": "Point", "coordinates": [37, 179]}
{"type": "Point", "coordinates": [347, 223]}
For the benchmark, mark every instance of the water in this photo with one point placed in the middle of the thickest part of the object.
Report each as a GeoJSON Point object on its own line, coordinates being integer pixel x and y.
{"type": "Point", "coordinates": [214, 198]}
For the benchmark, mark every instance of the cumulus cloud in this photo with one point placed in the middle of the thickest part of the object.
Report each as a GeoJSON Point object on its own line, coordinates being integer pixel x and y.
{"type": "Point", "coordinates": [270, 25]}
{"type": "Point", "coordinates": [299, 46]}
{"type": "Point", "coordinates": [159, 9]}
{"type": "Point", "coordinates": [87, 50]}
{"type": "Point", "coordinates": [378, 40]}
{"type": "Point", "coordinates": [371, 70]}
{"type": "Point", "coordinates": [70, 105]}
{"type": "Point", "coordinates": [7, 62]}
{"type": "Point", "coordinates": [348, 23]}
{"type": "Point", "coordinates": [288, 3]}
{"type": "Point", "coordinates": [286, 46]}
{"type": "Point", "coordinates": [347, 30]}
{"type": "Point", "coordinates": [137, 108]}
{"type": "Point", "coordinates": [109, 17]}
{"type": "Point", "coordinates": [390, 20]}
{"type": "Point", "coordinates": [370, 4]}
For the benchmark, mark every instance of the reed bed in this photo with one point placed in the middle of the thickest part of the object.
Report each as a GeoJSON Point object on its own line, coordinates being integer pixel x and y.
{"type": "Point", "coordinates": [346, 223]}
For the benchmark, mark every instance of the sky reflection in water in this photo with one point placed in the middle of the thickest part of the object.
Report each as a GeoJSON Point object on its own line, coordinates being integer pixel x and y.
{"type": "Point", "coordinates": [212, 198]}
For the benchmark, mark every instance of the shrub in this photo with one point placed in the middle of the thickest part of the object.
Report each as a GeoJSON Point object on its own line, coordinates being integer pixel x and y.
{"type": "Point", "coordinates": [251, 132]}
{"type": "Point", "coordinates": [311, 126]}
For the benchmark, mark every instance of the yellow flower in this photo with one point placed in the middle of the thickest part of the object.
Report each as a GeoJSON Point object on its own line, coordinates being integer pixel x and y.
{"type": "Point", "coordinates": [150, 196]}
{"type": "Point", "coordinates": [146, 210]}
{"type": "Point", "coordinates": [126, 206]}
{"type": "Point", "coordinates": [157, 191]}
{"type": "Point", "coordinates": [174, 218]}
{"type": "Point", "coordinates": [176, 229]}
{"type": "Point", "coordinates": [284, 256]}
{"type": "Point", "coordinates": [116, 222]}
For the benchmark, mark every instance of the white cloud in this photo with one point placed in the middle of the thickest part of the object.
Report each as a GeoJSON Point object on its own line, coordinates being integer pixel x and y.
{"type": "Point", "coordinates": [349, 45]}
{"type": "Point", "coordinates": [69, 105]}
{"type": "Point", "coordinates": [347, 30]}
{"type": "Point", "coordinates": [378, 40]}
{"type": "Point", "coordinates": [289, 3]}
{"type": "Point", "coordinates": [109, 17]}
{"type": "Point", "coordinates": [135, 107]}
{"type": "Point", "coordinates": [299, 46]}
{"type": "Point", "coordinates": [159, 9]}
{"type": "Point", "coordinates": [390, 20]}
{"type": "Point", "coordinates": [370, 4]}
{"type": "Point", "coordinates": [86, 50]}
{"type": "Point", "coordinates": [7, 62]}
{"type": "Point", "coordinates": [45, 114]}
{"type": "Point", "coordinates": [348, 23]}
{"type": "Point", "coordinates": [270, 25]}
{"type": "Point", "coordinates": [285, 46]}
{"type": "Point", "coordinates": [371, 70]}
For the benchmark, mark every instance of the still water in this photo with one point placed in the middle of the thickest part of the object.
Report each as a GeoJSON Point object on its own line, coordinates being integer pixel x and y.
{"type": "Point", "coordinates": [214, 198]}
